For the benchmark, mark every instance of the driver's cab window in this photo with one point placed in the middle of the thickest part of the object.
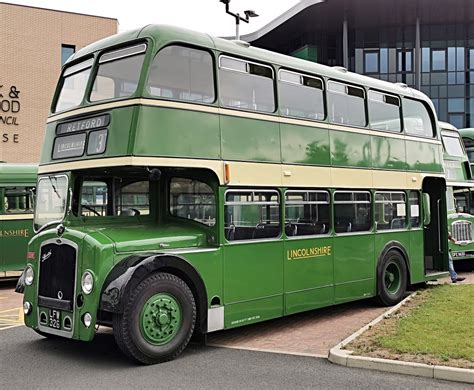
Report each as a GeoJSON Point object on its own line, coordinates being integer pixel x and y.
{"type": "Point", "coordinates": [192, 199]}
{"type": "Point", "coordinates": [133, 199]}
{"type": "Point", "coordinates": [94, 198]}
{"type": "Point", "coordinates": [129, 198]}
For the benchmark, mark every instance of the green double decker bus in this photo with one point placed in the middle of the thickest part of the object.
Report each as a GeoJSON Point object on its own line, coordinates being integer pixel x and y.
{"type": "Point", "coordinates": [17, 185]}
{"type": "Point", "coordinates": [190, 184]}
{"type": "Point", "coordinates": [460, 192]}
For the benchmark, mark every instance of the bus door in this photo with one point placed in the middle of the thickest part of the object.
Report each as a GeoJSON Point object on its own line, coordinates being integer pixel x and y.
{"type": "Point", "coordinates": [253, 256]}
{"type": "Point", "coordinates": [308, 262]}
{"type": "Point", "coordinates": [435, 225]}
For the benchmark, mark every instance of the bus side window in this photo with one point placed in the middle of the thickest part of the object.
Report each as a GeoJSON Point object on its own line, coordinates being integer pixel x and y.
{"type": "Point", "coordinates": [251, 215]}
{"type": "Point", "coordinates": [301, 96]}
{"type": "Point", "coordinates": [18, 200]}
{"type": "Point", "coordinates": [246, 85]}
{"type": "Point", "coordinates": [182, 73]}
{"type": "Point", "coordinates": [390, 210]}
{"type": "Point", "coordinates": [414, 208]}
{"type": "Point", "coordinates": [346, 104]}
{"type": "Point", "coordinates": [307, 213]}
{"type": "Point", "coordinates": [426, 209]}
{"type": "Point", "coordinates": [384, 112]}
{"type": "Point", "coordinates": [352, 211]}
{"type": "Point", "coordinates": [416, 118]}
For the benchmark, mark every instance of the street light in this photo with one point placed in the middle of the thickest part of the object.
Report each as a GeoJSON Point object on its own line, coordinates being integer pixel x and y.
{"type": "Point", "coordinates": [248, 14]}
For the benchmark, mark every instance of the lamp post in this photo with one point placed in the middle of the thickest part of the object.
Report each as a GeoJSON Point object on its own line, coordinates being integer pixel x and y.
{"type": "Point", "coordinates": [248, 14]}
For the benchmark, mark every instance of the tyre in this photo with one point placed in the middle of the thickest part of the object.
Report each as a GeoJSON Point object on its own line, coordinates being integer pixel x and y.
{"type": "Point", "coordinates": [391, 278]}
{"type": "Point", "coordinates": [158, 320]}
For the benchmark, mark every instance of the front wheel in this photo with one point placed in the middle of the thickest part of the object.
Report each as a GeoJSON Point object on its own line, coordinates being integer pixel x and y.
{"type": "Point", "coordinates": [391, 278]}
{"type": "Point", "coordinates": [158, 320]}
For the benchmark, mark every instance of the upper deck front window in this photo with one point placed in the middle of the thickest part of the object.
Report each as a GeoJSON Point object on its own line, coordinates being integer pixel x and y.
{"type": "Point", "coordinates": [73, 85]}
{"type": "Point", "coordinates": [118, 73]}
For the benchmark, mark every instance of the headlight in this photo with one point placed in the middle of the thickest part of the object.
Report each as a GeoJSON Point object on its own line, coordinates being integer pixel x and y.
{"type": "Point", "coordinates": [27, 308]}
{"type": "Point", "coordinates": [87, 282]}
{"type": "Point", "coordinates": [87, 319]}
{"type": "Point", "coordinates": [29, 275]}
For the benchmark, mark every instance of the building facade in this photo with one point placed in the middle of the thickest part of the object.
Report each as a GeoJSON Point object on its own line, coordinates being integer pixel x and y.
{"type": "Point", "coordinates": [426, 44]}
{"type": "Point", "coordinates": [34, 43]}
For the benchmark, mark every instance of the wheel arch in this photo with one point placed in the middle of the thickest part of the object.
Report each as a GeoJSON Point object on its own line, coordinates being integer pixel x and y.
{"type": "Point", "coordinates": [397, 246]}
{"type": "Point", "coordinates": [127, 274]}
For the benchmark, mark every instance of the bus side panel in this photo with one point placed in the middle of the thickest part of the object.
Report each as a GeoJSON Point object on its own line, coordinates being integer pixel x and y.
{"type": "Point", "coordinates": [174, 132]}
{"type": "Point", "coordinates": [350, 150]}
{"type": "Point", "coordinates": [209, 266]}
{"type": "Point", "coordinates": [250, 139]}
{"type": "Point", "coordinates": [354, 270]}
{"type": "Point", "coordinates": [14, 237]}
{"type": "Point", "coordinates": [304, 145]}
{"type": "Point", "coordinates": [388, 153]}
{"type": "Point", "coordinates": [423, 156]}
{"type": "Point", "coordinates": [417, 261]}
{"type": "Point", "coordinates": [253, 282]}
{"type": "Point", "coordinates": [309, 270]}
{"type": "Point", "coordinates": [401, 237]}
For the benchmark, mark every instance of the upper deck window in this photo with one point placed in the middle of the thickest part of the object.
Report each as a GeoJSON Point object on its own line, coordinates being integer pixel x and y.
{"type": "Point", "coordinates": [246, 85]}
{"type": "Point", "coordinates": [301, 96]}
{"type": "Point", "coordinates": [74, 82]}
{"type": "Point", "coordinates": [453, 146]}
{"type": "Point", "coordinates": [118, 73]}
{"type": "Point", "coordinates": [346, 104]}
{"type": "Point", "coordinates": [182, 73]}
{"type": "Point", "coordinates": [417, 120]}
{"type": "Point", "coordinates": [384, 112]}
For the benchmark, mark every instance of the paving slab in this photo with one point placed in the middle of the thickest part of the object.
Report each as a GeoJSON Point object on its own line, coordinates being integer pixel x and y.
{"type": "Point", "coordinates": [311, 333]}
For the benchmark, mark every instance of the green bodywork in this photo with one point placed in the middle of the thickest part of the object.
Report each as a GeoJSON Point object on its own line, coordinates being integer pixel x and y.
{"type": "Point", "coordinates": [458, 170]}
{"type": "Point", "coordinates": [141, 130]}
{"type": "Point", "coordinates": [16, 226]}
{"type": "Point", "coordinates": [255, 280]}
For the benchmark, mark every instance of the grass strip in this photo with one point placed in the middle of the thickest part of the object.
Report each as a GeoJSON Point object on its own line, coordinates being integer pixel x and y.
{"type": "Point", "coordinates": [436, 327]}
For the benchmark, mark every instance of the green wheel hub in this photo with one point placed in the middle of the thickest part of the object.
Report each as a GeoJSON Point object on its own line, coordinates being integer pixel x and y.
{"type": "Point", "coordinates": [392, 278]}
{"type": "Point", "coordinates": [160, 318]}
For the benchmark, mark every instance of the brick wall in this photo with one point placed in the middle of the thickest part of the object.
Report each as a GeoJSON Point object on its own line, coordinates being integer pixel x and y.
{"type": "Point", "coordinates": [30, 60]}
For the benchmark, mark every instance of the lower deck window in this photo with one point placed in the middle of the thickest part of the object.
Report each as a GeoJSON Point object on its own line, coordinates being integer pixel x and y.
{"type": "Point", "coordinates": [390, 210]}
{"type": "Point", "coordinates": [352, 211]}
{"type": "Point", "coordinates": [252, 215]}
{"type": "Point", "coordinates": [18, 200]}
{"type": "Point", "coordinates": [307, 213]}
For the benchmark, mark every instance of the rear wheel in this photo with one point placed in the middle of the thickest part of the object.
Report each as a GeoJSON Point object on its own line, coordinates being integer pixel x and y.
{"type": "Point", "coordinates": [158, 319]}
{"type": "Point", "coordinates": [391, 278]}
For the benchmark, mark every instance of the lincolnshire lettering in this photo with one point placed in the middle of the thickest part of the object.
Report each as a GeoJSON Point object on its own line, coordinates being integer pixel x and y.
{"type": "Point", "coordinates": [15, 233]}
{"type": "Point", "coordinates": [306, 253]}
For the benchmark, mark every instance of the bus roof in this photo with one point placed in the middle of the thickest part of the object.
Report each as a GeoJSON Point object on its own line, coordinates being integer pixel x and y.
{"type": "Point", "coordinates": [162, 35]}
{"type": "Point", "coordinates": [18, 174]}
{"type": "Point", "coordinates": [467, 132]}
{"type": "Point", "coordinates": [446, 126]}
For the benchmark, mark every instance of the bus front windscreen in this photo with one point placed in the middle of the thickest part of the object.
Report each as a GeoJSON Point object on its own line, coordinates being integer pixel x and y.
{"type": "Point", "coordinates": [51, 200]}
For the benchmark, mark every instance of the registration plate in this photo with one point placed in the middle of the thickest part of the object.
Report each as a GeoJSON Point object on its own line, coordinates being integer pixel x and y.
{"type": "Point", "coordinates": [54, 319]}
{"type": "Point", "coordinates": [459, 254]}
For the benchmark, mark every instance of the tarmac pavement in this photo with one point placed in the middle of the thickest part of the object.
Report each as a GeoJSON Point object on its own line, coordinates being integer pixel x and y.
{"type": "Point", "coordinates": [29, 361]}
